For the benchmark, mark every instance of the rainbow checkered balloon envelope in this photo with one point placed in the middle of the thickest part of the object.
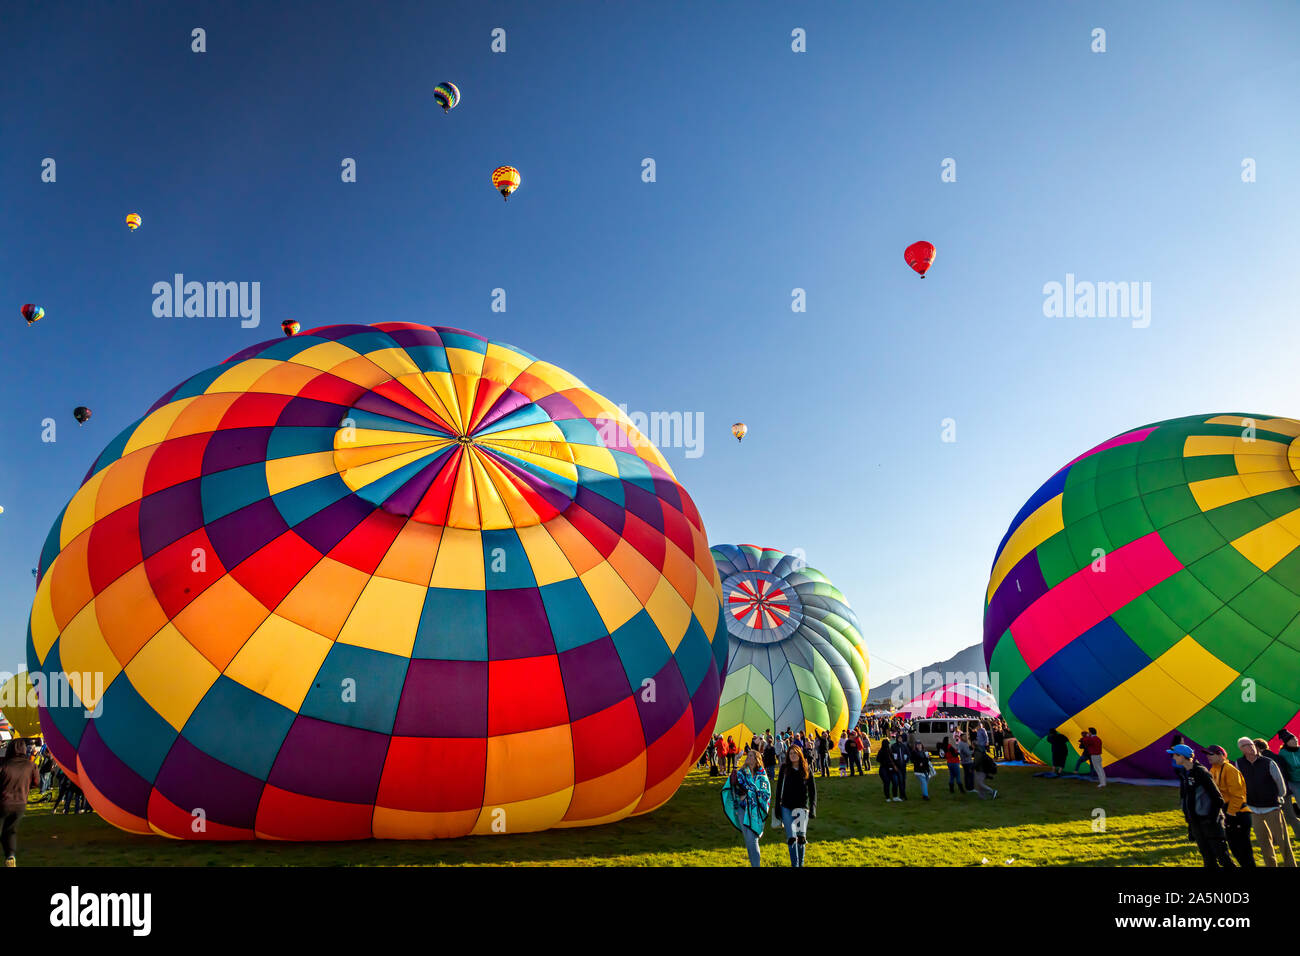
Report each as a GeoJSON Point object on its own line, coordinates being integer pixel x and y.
{"type": "Point", "coordinates": [1152, 587]}
{"type": "Point", "coordinates": [796, 657]}
{"type": "Point", "coordinates": [390, 581]}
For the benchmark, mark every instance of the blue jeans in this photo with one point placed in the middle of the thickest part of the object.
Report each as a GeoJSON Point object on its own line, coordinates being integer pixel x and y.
{"type": "Point", "coordinates": [796, 835]}
{"type": "Point", "coordinates": [925, 783]}
{"type": "Point", "coordinates": [751, 844]}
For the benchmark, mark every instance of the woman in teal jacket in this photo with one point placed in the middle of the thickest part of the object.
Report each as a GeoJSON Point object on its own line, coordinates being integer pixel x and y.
{"type": "Point", "coordinates": [746, 797]}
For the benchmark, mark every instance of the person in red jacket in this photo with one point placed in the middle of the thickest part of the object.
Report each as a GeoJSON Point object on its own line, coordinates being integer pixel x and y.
{"type": "Point", "coordinates": [17, 777]}
{"type": "Point", "coordinates": [1093, 745]}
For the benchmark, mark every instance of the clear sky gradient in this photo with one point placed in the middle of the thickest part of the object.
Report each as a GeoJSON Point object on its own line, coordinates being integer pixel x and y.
{"type": "Point", "coordinates": [775, 170]}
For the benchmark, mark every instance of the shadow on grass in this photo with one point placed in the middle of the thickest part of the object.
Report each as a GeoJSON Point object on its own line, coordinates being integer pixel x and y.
{"type": "Point", "coordinates": [1033, 821]}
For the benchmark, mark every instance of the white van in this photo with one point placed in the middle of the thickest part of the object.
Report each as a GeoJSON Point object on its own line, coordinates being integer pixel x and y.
{"type": "Point", "coordinates": [930, 731]}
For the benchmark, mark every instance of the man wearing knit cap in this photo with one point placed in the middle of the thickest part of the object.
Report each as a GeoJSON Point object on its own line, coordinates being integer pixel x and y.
{"type": "Point", "coordinates": [1236, 818]}
{"type": "Point", "coordinates": [1265, 791]}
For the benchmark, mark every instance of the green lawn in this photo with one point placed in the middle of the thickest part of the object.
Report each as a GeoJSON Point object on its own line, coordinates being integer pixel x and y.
{"type": "Point", "coordinates": [1034, 822]}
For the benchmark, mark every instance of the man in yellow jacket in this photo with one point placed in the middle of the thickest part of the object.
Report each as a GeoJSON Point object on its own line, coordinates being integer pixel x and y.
{"type": "Point", "coordinates": [1236, 818]}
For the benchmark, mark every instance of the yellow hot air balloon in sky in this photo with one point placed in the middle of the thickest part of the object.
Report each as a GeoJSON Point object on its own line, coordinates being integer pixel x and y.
{"type": "Point", "coordinates": [740, 429]}
{"type": "Point", "coordinates": [505, 179]}
{"type": "Point", "coordinates": [18, 702]}
{"type": "Point", "coordinates": [133, 221]}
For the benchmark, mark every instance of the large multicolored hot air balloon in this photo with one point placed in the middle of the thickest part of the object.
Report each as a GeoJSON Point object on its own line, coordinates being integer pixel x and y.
{"type": "Point", "coordinates": [390, 581]}
{"type": "Point", "coordinates": [920, 256]}
{"type": "Point", "coordinates": [133, 222]}
{"type": "Point", "coordinates": [1152, 587]}
{"type": "Point", "coordinates": [954, 700]}
{"type": "Point", "coordinates": [505, 180]}
{"type": "Point", "coordinates": [447, 96]}
{"type": "Point", "coordinates": [795, 657]}
{"type": "Point", "coordinates": [740, 430]}
{"type": "Point", "coordinates": [32, 313]}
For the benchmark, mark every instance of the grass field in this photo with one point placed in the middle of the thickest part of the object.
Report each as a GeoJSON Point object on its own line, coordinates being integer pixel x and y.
{"type": "Point", "coordinates": [1034, 822]}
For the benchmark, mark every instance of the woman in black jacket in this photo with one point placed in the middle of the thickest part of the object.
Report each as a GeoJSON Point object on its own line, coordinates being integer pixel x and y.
{"type": "Point", "coordinates": [888, 770]}
{"type": "Point", "coordinates": [796, 797]}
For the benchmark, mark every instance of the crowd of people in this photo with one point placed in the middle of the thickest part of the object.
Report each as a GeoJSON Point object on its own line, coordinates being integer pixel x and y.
{"type": "Point", "coordinates": [773, 777]}
{"type": "Point", "coordinates": [27, 765]}
{"type": "Point", "coordinates": [1226, 801]}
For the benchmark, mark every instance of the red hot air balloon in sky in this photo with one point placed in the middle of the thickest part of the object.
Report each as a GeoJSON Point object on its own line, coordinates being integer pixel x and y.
{"type": "Point", "coordinates": [920, 256]}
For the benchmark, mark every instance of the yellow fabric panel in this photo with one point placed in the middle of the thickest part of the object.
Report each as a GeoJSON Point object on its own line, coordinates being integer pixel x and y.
{"type": "Point", "coordinates": [202, 414]}
{"type": "Point", "coordinates": [531, 433]}
{"type": "Point", "coordinates": [1162, 695]}
{"type": "Point", "coordinates": [285, 379]}
{"type": "Point", "coordinates": [81, 512]}
{"type": "Point", "coordinates": [1234, 445]}
{"type": "Point", "coordinates": [466, 387]}
{"type": "Point", "coordinates": [70, 589]}
{"type": "Point", "coordinates": [386, 617]}
{"type": "Point", "coordinates": [156, 426]}
{"type": "Point", "coordinates": [502, 364]}
{"type": "Point", "coordinates": [466, 364]}
{"type": "Point", "coordinates": [460, 560]}
{"type": "Point", "coordinates": [325, 356]}
{"type": "Point", "coordinates": [1283, 426]}
{"type": "Point", "coordinates": [614, 600]}
{"type": "Point", "coordinates": [1268, 544]}
{"type": "Point", "coordinates": [1263, 464]}
{"type": "Point", "coordinates": [411, 555]}
{"type": "Point", "coordinates": [554, 458]}
{"type": "Point", "coordinates": [1197, 445]}
{"type": "Point", "coordinates": [360, 465]}
{"type": "Point", "coordinates": [462, 510]}
{"type": "Point", "coordinates": [1262, 484]}
{"type": "Point", "coordinates": [518, 511]}
{"type": "Point", "coordinates": [361, 371]}
{"type": "Point", "coordinates": [219, 620]}
{"type": "Point", "coordinates": [437, 390]}
{"type": "Point", "coordinates": [122, 483]}
{"type": "Point", "coordinates": [597, 459]}
{"type": "Point", "coordinates": [670, 613]}
{"type": "Point", "coordinates": [395, 361]}
{"type": "Point", "coordinates": [548, 562]}
{"type": "Point", "coordinates": [323, 599]}
{"type": "Point", "coordinates": [171, 675]}
{"type": "Point", "coordinates": [579, 552]}
{"type": "Point", "coordinates": [1033, 531]}
{"type": "Point", "coordinates": [492, 511]}
{"type": "Point", "coordinates": [371, 444]}
{"type": "Point", "coordinates": [524, 766]}
{"type": "Point", "coordinates": [285, 473]}
{"type": "Point", "coordinates": [706, 607]}
{"type": "Point", "coordinates": [83, 651]}
{"type": "Point", "coordinates": [129, 614]}
{"type": "Point", "coordinates": [280, 661]}
{"type": "Point", "coordinates": [554, 376]}
{"type": "Point", "coordinates": [637, 573]}
{"type": "Point", "coordinates": [44, 629]}
{"type": "Point", "coordinates": [241, 378]}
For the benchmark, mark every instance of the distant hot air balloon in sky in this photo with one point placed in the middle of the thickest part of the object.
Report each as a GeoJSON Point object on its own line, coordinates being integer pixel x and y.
{"type": "Point", "coordinates": [290, 326]}
{"type": "Point", "coordinates": [740, 430]}
{"type": "Point", "coordinates": [82, 414]}
{"type": "Point", "coordinates": [447, 96]}
{"type": "Point", "coordinates": [505, 179]}
{"type": "Point", "coordinates": [133, 222]}
{"type": "Point", "coordinates": [32, 313]}
{"type": "Point", "coordinates": [920, 256]}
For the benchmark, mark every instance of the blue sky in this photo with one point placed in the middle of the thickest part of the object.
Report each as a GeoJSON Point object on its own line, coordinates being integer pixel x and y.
{"type": "Point", "coordinates": [775, 170]}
